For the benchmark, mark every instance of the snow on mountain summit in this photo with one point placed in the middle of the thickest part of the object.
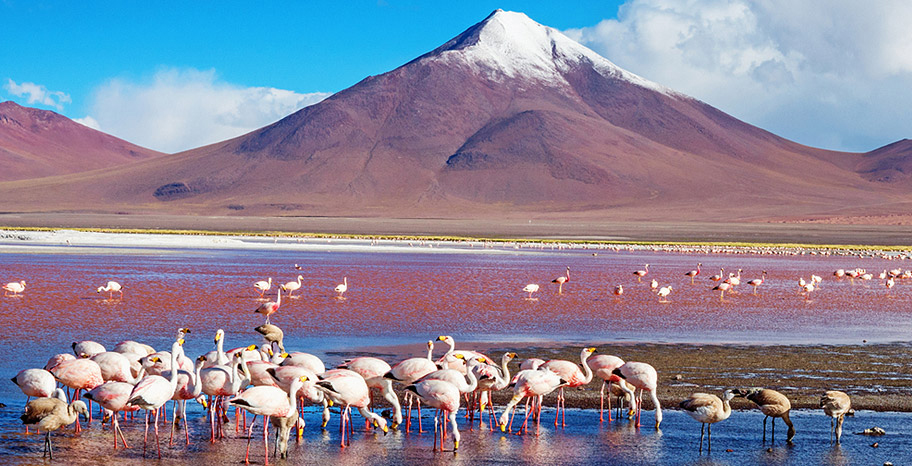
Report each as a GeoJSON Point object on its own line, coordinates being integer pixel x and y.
{"type": "Point", "coordinates": [511, 45]}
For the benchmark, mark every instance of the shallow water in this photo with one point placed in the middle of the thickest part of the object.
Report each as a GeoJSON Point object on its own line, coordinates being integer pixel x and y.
{"type": "Point", "coordinates": [402, 294]}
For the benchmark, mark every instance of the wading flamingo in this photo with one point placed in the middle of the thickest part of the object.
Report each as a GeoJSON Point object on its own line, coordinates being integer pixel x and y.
{"type": "Point", "coordinates": [291, 287]}
{"type": "Point", "coordinates": [708, 409]}
{"type": "Point", "coordinates": [113, 397]}
{"type": "Point", "coordinates": [602, 366]}
{"type": "Point", "coordinates": [443, 396]}
{"type": "Point", "coordinates": [408, 372]}
{"type": "Point", "coordinates": [111, 287]}
{"type": "Point", "coordinates": [664, 292]}
{"type": "Point", "coordinates": [153, 391]}
{"type": "Point", "coordinates": [641, 273]}
{"type": "Point", "coordinates": [693, 273]}
{"type": "Point", "coordinates": [572, 375]}
{"type": "Point", "coordinates": [529, 383]}
{"type": "Point", "coordinates": [14, 287]}
{"type": "Point", "coordinates": [263, 286]}
{"type": "Point", "coordinates": [643, 377]}
{"type": "Point", "coordinates": [271, 403]}
{"type": "Point", "coordinates": [757, 281]}
{"type": "Point", "coordinates": [51, 414]}
{"type": "Point", "coordinates": [773, 405]}
{"type": "Point", "coordinates": [270, 308]}
{"type": "Point", "coordinates": [530, 288]}
{"type": "Point", "coordinates": [561, 280]}
{"type": "Point", "coordinates": [835, 404]}
{"type": "Point", "coordinates": [341, 288]}
{"type": "Point", "coordinates": [349, 390]}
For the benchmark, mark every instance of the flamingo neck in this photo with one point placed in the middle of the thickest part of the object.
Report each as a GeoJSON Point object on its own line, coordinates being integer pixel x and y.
{"type": "Point", "coordinates": [296, 385]}
{"type": "Point", "coordinates": [473, 381]}
{"type": "Point", "coordinates": [221, 357]}
{"type": "Point", "coordinates": [586, 369]}
{"type": "Point", "coordinates": [505, 367]}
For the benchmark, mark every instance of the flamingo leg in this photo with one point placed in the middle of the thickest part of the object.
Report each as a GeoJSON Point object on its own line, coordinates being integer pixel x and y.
{"type": "Point", "coordinates": [249, 436]}
{"type": "Point", "coordinates": [266, 439]}
{"type": "Point", "coordinates": [157, 442]}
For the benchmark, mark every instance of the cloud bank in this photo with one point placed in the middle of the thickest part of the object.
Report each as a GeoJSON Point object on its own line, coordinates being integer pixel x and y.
{"type": "Point", "coordinates": [833, 74]}
{"type": "Point", "coordinates": [180, 109]}
{"type": "Point", "coordinates": [37, 94]}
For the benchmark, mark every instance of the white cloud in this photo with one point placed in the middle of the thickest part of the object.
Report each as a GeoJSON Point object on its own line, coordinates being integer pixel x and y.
{"type": "Point", "coordinates": [832, 74]}
{"type": "Point", "coordinates": [88, 121]}
{"type": "Point", "coordinates": [179, 109]}
{"type": "Point", "coordinates": [37, 94]}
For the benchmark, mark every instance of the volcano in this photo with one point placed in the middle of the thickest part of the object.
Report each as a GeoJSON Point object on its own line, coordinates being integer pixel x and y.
{"type": "Point", "coordinates": [510, 118]}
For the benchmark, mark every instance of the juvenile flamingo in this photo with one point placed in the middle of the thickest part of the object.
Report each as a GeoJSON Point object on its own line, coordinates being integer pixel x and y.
{"type": "Point", "coordinates": [111, 287]}
{"type": "Point", "coordinates": [836, 404]}
{"type": "Point", "coordinates": [772, 404]}
{"type": "Point", "coordinates": [708, 409]}
{"type": "Point", "coordinates": [51, 414]}
{"type": "Point", "coordinates": [618, 291]}
{"type": "Point", "coordinates": [641, 273]}
{"type": "Point", "coordinates": [693, 273]}
{"type": "Point", "coordinates": [530, 288]}
{"type": "Point", "coordinates": [561, 280]}
{"type": "Point", "coordinates": [270, 308]}
{"type": "Point", "coordinates": [13, 287]}
{"type": "Point", "coordinates": [643, 377]}
{"type": "Point", "coordinates": [263, 286]}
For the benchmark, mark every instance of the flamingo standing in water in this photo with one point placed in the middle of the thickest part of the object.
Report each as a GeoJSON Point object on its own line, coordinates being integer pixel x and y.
{"type": "Point", "coordinates": [530, 288]}
{"type": "Point", "coordinates": [722, 287]}
{"type": "Point", "coordinates": [291, 287]}
{"type": "Point", "coordinates": [561, 280]}
{"type": "Point", "coordinates": [35, 382]}
{"type": "Point", "coordinates": [772, 404]}
{"type": "Point", "coordinates": [641, 273]}
{"type": "Point", "coordinates": [643, 377]}
{"type": "Point", "coordinates": [270, 402]}
{"type": "Point", "coordinates": [408, 372]}
{"type": "Point", "coordinates": [654, 284]}
{"type": "Point", "coordinates": [113, 397]}
{"type": "Point", "coordinates": [602, 367]}
{"type": "Point", "coordinates": [111, 287]}
{"type": "Point", "coordinates": [718, 277]}
{"type": "Point", "coordinates": [52, 413]}
{"type": "Point", "coordinates": [79, 374]}
{"type": "Point", "coordinates": [693, 273]}
{"type": "Point", "coordinates": [341, 288]}
{"type": "Point", "coordinates": [13, 287]}
{"type": "Point", "coordinates": [263, 286]}
{"type": "Point", "coordinates": [708, 409]}
{"type": "Point", "coordinates": [664, 292]}
{"type": "Point", "coordinates": [271, 307]}
{"type": "Point", "coordinates": [757, 281]}
{"type": "Point", "coordinates": [836, 404]}
{"type": "Point", "coordinates": [529, 383]}
{"type": "Point", "coordinates": [153, 391]}
{"type": "Point", "coordinates": [570, 373]}
{"type": "Point", "coordinates": [348, 389]}
{"type": "Point", "coordinates": [444, 396]}
{"type": "Point", "coordinates": [618, 291]}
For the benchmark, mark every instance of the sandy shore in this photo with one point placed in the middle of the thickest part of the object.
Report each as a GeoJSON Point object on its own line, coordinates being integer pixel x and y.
{"type": "Point", "coordinates": [875, 376]}
{"type": "Point", "coordinates": [579, 228]}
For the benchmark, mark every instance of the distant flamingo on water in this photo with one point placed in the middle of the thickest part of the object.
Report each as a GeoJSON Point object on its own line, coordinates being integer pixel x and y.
{"type": "Point", "coordinates": [111, 287]}
{"type": "Point", "coordinates": [14, 287]}
{"type": "Point", "coordinates": [722, 287]}
{"type": "Point", "coordinates": [693, 273]}
{"type": "Point", "coordinates": [341, 288]}
{"type": "Point", "coordinates": [618, 291]}
{"type": "Point", "coordinates": [718, 277]}
{"type": "Point", "coordinates": [757, 281]}
{"type": "Point", "coordinates": [641, 273]}
{"type": "Point", "coordinates": [663, 293]}
{"type": "Point", "coordinates": [561, 280]}
{"type": "Point", "coordinates": [530, 288]}
{"type": "Point", "coordinates": [263, 286]}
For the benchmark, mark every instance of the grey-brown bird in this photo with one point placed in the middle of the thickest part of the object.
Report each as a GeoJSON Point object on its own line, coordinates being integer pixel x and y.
{"type": "Point", "coordinates": [708, 409]}
{"type": "Point", "coordinates": [272, 334]}
{"type": "Point", "coordinates": [835, 404]}
{"type": "Point", "coordinates": [773, 404]}
{"type": "Point", "coordinates": [51, 414]}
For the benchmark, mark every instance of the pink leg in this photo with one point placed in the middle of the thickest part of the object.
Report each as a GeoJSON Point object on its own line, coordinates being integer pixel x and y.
{"type": "Point", "coordinates": [266, 439]}
{"type": "Point", "coordinates": [157, 442]}
{"type": "Point", "coordinates": [249, 436]}
{"type": "Point", "coordinates": [146, 433]}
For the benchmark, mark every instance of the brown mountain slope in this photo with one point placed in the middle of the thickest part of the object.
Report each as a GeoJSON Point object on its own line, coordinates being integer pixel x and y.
{"type": "Point", "coordinates": [509, 118]}
{"type": "Point", "coordinates": [36, 143]}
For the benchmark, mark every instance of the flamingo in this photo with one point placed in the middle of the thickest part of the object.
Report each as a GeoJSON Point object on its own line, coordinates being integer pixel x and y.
{"type": "Point", "coordinates": [270, 402]}
{"type": "Point", "coordinates": [130, 346]}
{"type": "Point", "coordinates": [561, 280]}
{"type": "Point", "coordinates": [153, 391]}
{"type": "Point", "coordinates": [839, 273]}
{"type": "Point", "coordinates": [772, 404]}
{"type": "Point", "coordinates": [718, 277]}
{"type": "Point", "coordinates": [602, 366]}
{"type": "Point", "coordinates": [492, 378]}
{"type": "Point", "coordinates": [408, 372]}
{"type": "Point", "coordinates": [341, 288]}
{"type": "Point", "coordinates": [459, 364]}
{"type": "Point", "coordinates": [272, 334]}
{"type": "Point", "coordinates": [458, 378]}
{"type": "Point", "coordinates": [291, 287]}
{"type": "Point", "coordinates": [263, 286]}
{"type": "Point", "coordinates": [889, 283]}
{"type": "Point", "coordinates": [51, 414]}
{"type": "Point", "coordinates": [111, 287]}
{"type": "Point", "coordinates": [708, 409]}
{"type": "Point", "coordinates": [641, 273]}
{"type": "Point", "coordinates": [87, 348]}
{"type": "Point", "coordinates": [734, 280]}
{"type": "Point", "coordinates": [78, 374]}
{"type": "Point", "coordinates": [298, 267]}
{"type": "Point", "coordinates": [643, 377]}
{"type": "Point", "coordinates": [530, 288]}
{"type": "Point", "coordinates": [572, 375]}
{"type": "Point", "coordinates": [757, 281]}
{"type": "Point", "coordinates": [836, 404]}
{"type": "Point", "coordinates": [664, 292]}
{"type": "Point", "coordinates": [349, 390]}
{"type": "Point", "coordinates": [618, 291]}
{"type": "Point", "coordinates": [305, 360]}
{"type": "Point", "coordinates": [35, 382]}
{"type": "Point", "coordinates": [14, 287]}
{"type": "Point", "coordinates": [529, 383]}
{"type": "Point", "coordinates": [693, 273]}
{"type": "Point", "coordinates": [189, 387]}
{"type": "Point", "coordinates": [373, 369]}
{"type": "Point", "coordinates": [722, 287]}
{"type": "Point", "coordinates": [531, 364]}
{"type": "Point", "coordinates": [270, 308]}
{"type": "Point", "coordinates": [808, 288]}
{"type": "Point", "coordinates": [115, 367]}
{"type": "Point", "coordinates": [217, 357]}
{"type": "Point", "coordinates": [113, 397]}
{"type": "Point", "coordinates": [443, 396]}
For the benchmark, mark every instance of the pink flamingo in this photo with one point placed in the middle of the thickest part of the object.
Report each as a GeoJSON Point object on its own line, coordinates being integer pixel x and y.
{"type": "Point", "coordinates": [79, 374]}
{"type": "Point", "coordinates": [757, 281]}
{"type": "Point", "coordinates": [13, 287]}
{"type": "Point", "coordinates": [153, 391]}
{"type": "Point", "coordinates": [408, 372]}
{"type": "Point", "coordinates": [722, 287]}
{"type": "Point", "coordinates": [349, 390]}
{"type": "Point", "coordinates": [270, 402]}
{"type": "Point", "coordinates": [529, 383]}
{"type": "Point", "coordinates": [643, 377]}
{"type": "Point", "coordinates": [341, 288]}
{"type": "Point", "coordinates": [693, 273]}
{"type": "Point", "coordinates": [443, 396]}
{"type": "Point", "coordinates": [718, 277]}
{"type": "Point", "coordinates": [641, 273]}
{"type": "Point", "coordinates": [572, 375]}
{"type": "Point", "coordinates": [263, 286]}
{"type": "Point", "coordinates": [35, 382]}
{"type": "Point", "coordinates": [113, 397]}
{"type": "Point", "coordinates": [270, 308]}
{"type": "Point", "coordinates": [290, 287]}
{"type": "Point", "coordinates": [458, 364]}
{"type": "Point", "coordinates": [373, 370]}
{"type": "Point", "coordinates": [561, 280]}
{"type": "Point", "coordinates": [602, 366]}
{"type": "Point", "coordinates": [618, 291]}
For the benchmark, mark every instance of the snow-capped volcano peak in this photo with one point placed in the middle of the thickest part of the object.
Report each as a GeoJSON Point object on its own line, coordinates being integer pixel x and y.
{"type": "Point", "coordinates": [510, 44]}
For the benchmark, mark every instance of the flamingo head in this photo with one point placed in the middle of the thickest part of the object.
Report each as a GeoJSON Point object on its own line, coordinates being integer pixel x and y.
{"type": "Point", "coordinates": [381, 423]}
{"type": "Point", "coordinates": [430, 344]}
{"type": "Point", "coordinates": [219, 334]}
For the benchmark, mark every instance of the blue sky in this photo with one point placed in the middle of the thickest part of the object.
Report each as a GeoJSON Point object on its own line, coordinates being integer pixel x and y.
{"type": "Point", "coordinates": [175, 75]}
